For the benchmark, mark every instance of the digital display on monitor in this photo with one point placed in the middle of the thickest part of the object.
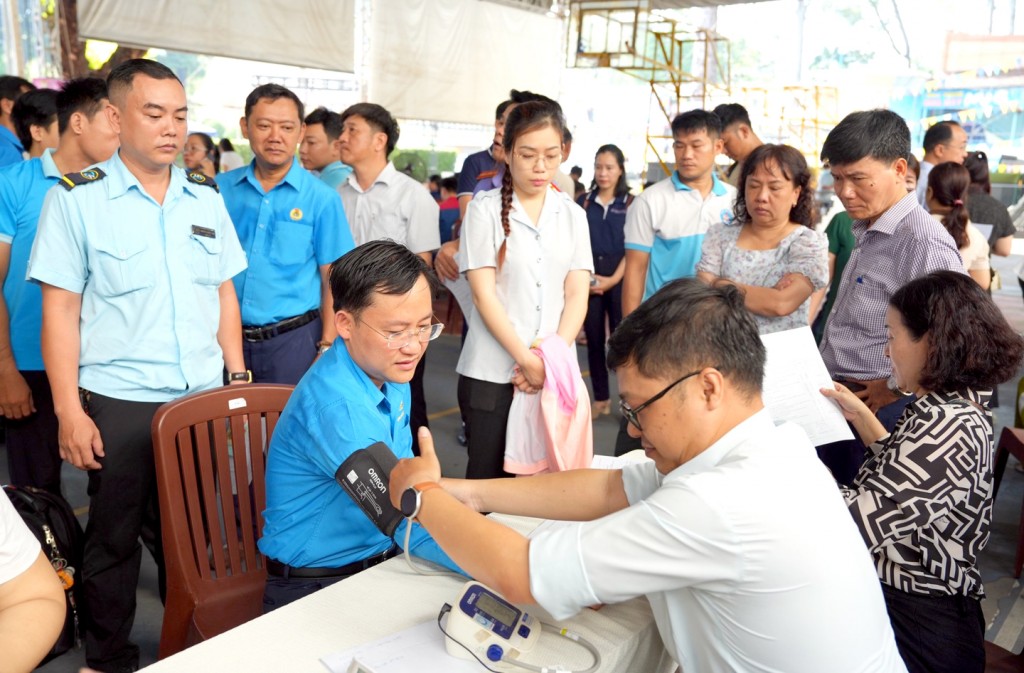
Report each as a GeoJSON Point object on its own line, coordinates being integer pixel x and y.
{"type": "Point", "coordinates": [499, 611]}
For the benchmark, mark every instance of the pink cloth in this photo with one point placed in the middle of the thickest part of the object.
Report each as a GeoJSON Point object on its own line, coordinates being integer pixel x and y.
{"type": "Point", "coordinates": [551, 431]}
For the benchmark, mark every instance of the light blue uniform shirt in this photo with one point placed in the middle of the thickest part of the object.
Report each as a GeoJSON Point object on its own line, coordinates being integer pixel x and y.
{"type": "Point", "coordinates": [334, 174]}
{"type": "Point", "coordinates": [287, 234]}
{"type": "Point", "coordinates": [11, 151]}
{"type": "Point", "coordinates": [148, 275]}
{"type": "Point", "coordinates": [668, 221]}
{"type": "Point", "coordinates": [310, 522]}
{"type": "Point", "coordinates": [22, 188]}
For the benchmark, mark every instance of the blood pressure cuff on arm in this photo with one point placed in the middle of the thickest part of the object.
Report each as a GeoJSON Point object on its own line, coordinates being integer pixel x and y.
{"type": "Point", "coordinates": [364, 476]}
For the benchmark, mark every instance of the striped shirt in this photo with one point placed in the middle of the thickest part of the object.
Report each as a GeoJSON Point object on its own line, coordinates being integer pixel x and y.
{"type": "Point", "coordinates": [923, 498]}
{"type": "Point", "coordinates": [903, 244]}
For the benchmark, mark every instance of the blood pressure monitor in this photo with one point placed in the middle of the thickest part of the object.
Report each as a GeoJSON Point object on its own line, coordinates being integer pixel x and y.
{"type": "Point", "coordinates": [484, 624]}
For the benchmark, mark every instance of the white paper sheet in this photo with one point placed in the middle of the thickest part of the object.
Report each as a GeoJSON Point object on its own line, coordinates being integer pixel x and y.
{"type": "Point", "coordinates": [418, 649]}
{"type": "Point", "coordinates": [794, 376]}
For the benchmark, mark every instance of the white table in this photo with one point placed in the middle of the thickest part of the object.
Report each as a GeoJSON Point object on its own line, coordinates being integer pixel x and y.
{"type": "Point", "coordinates": [390, 597]}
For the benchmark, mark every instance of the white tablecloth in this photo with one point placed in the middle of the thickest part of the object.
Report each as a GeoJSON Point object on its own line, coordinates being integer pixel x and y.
{"type": "Point", "coordinates": [391, 597]}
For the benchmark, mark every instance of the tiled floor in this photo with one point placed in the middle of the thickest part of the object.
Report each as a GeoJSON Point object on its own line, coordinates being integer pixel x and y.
{"type": "Point", "coordinates": [1004, 606]}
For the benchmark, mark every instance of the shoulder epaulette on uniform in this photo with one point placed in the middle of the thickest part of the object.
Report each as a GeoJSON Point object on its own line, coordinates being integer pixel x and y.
{"type": "Point", "coordinates": [200, 179]}
{"type": "Point", "coordinates": [72, 180]}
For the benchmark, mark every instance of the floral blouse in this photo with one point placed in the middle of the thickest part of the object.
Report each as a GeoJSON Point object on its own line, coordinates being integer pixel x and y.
{"type": "Point", "coordinates": [923, 498]}
{"type": "Point", "coordinates": [804, 251]}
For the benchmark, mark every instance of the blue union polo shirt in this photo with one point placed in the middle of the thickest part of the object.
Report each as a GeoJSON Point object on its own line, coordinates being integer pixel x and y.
{"type": "Point", "coordinates": [10, 147]}
{"type": "Point", "coordinates": [287, 233]}
{"type": "Point", "coordinates": [22, 188]}
{"type": "Point", "coordinates": [310, 522]}
{"type": "Point", "coordinates": [668, 221]}
{"type": "Point", "coordinates": [149, 275]}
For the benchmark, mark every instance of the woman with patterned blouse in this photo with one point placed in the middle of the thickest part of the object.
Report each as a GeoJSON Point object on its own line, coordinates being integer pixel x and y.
{"type": "Point", "coordinates": [771, 250]}
{"type": "Point", "coordinates": [923, 498]}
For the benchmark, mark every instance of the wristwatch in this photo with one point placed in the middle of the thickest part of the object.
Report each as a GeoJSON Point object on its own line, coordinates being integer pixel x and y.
{"type": "Point", "coordinates": [240, 376]}
{"type": "Point", "coordinates": [412, 498]}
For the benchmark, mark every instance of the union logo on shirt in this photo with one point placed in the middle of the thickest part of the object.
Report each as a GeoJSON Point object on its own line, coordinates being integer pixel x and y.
{"type": "Point", "coordinates": [727, 216]}
{"type": "Point", "coordinates": [296, 214]}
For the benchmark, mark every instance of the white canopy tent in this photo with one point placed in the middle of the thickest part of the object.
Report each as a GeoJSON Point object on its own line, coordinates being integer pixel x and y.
{"type": "Point", "coordinates": [441, 60]}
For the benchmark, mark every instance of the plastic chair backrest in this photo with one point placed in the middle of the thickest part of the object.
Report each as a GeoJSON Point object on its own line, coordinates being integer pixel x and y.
{"type": "Point", "coordinates": [210, 450]}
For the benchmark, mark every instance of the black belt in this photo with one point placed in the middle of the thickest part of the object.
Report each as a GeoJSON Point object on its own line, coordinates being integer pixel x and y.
{"type": "Point", "coordinates": [266, 332]}
{"type": "Point", "coordinates": [286, 571]}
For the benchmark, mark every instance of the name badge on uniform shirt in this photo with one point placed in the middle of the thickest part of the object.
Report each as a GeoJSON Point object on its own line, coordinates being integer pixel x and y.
{"type": "Point", "coordinates": [203, 231]}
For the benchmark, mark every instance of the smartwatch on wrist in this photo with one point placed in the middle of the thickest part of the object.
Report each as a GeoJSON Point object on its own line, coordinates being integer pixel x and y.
{"type": "Point", "coordinates": [240, 376]}
{"type": "Point", "coordinates": [412, 498]}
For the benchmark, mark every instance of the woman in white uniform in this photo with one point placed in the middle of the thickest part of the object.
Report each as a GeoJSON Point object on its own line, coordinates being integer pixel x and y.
{"type": "Point", "coordinates": [528, 262]}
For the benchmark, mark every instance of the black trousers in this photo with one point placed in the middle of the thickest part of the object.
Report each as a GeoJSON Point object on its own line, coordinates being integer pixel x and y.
{"type": "Point", "coordinates": [418, 413]}
{"type": "Point", "coordinates": [279, 591]}
{"type": "Point", "coordinates": [33, 455]}
{"type": "Point", "coordinates": [599, 308]}
{"type": "Point", "coordinates": [937, 634]}
{"type": "Point", "coordinates": [123, 507]}
{"type": "Point", "coordinates": [485, 406]}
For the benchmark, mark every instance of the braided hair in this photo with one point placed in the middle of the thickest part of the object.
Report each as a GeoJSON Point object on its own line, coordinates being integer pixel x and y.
{"type": "Point", "coordinates": [523, 118]}
{"type": "Point", "coordinates": [949, 183]}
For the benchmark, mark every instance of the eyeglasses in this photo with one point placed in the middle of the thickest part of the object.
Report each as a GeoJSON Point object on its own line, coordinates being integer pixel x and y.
{"type": "Point", "coordinates": [552, 160]}
{"type": "Point", "coordinates": [396, 340]}
{"type": "Point", "coordinates": [632, 414]}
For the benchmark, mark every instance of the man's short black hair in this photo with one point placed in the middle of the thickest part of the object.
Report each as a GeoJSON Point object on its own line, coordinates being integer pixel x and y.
{"type": "Point", "coordinates": [378, 118]}
{"type": "Point", "coordinates": [11, 87]}
{"type": "Point", "coordinates": [450, 183]}
{"type": "Point", "coordinates": [576, 172]}
{"type": "Point", "coordinates": [938, 134]}
{"type": "Point", "coordinates": [687, 325]}
{"type": "Point", "coordinates": [84, 94]}
{"type": "Point", "coordinates": [378, 266]}
{"type": "Point", "coordinates": [119, 81]}
{"type": "Point", "coordinates": [329, 119]}
{"type": "Point", "coordinates": [33, 108]}
{"type": "Point", "coordinates": [697, 120]}
{"type": "Point", "coordinates": [732, 113]}
{"type": "Point", "coordinates": [878, 134]}
{"type": "Point", "coordinates": [500, 110]}
{"type": "Point", "coordinates": [272, 92]}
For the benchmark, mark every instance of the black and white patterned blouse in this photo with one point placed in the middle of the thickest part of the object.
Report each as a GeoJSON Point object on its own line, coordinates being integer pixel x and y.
{"type": "Point", "coordinates": [923, 498]}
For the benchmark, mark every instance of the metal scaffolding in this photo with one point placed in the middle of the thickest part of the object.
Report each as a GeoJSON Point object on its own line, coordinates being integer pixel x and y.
{"type": "Point", "coordinates": [685, 65]}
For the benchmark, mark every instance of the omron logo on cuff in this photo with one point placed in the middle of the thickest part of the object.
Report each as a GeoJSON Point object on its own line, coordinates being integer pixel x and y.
{"type": "Point", "coordinates": [364, 477]}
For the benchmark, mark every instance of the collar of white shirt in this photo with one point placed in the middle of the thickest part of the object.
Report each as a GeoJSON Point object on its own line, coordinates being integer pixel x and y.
{"type": "Point", "coordinates": [760, 424]}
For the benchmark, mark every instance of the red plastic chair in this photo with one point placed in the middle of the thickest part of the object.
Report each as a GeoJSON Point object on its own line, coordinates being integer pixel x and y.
{"type": "Point", "coordinates": [210, 449]}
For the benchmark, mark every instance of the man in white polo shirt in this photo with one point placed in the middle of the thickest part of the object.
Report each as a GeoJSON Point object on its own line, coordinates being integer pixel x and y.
{"type": "Point", "coordinates": [734, 531]}
{"type": "Point", "coordinates": [382, 203]}
{"type": "Point", "coordinates": [666, 224]}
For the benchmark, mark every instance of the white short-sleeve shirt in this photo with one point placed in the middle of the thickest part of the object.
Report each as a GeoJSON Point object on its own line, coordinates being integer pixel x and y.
{"type": "Point", "coordinates": [747, 554]}
{"type": "Point", "coordinates": [395, 207]}
{"type": "Point", "coordinates": [18, 547]}
{"type": "Point", "coordinates": [531, 281]}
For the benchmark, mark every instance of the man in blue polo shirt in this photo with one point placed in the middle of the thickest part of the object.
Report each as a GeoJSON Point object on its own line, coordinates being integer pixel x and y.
{"type": "Point", "coordinates": [135, 258]}
{"type": "Point", "coordinates": [11, 88]}
{"type": "Point", "coordinates": [86, 138]}
{"type": "Point", "coordinates": [320, 149]}
{"type": "Point", "coordinates": [355, 395]}
{"type": "Point", "coordinates": [666, 224]}
{"type": "Point", "coordinates": [292, 226]}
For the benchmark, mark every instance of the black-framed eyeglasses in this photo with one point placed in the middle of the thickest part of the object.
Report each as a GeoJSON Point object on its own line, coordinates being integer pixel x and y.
{"type": "Point", "coordinates": [632, 414]}
{"type": "Point", "coordinates": [396, 340]}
